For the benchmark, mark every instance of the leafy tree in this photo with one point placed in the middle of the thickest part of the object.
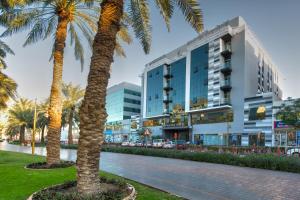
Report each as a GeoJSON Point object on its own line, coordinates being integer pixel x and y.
{"type": "Point", "coordinates": [290, 113]}
{"type": "Point", "coordinates": [92, 111]}
{"type": "Point", "coordinates": [72, 99]}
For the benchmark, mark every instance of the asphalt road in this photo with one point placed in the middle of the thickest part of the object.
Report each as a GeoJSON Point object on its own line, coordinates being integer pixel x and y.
{"type": "Point", "coordinates": [193, 180]}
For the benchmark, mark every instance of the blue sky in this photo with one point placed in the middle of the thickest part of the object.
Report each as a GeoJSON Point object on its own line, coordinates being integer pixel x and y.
{"type": "Point", "coordinates": [275, 22]}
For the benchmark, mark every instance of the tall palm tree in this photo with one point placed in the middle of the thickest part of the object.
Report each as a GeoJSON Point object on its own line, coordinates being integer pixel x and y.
{"type": "Point", "coordinates": [60, 18]}
{"type": "Point", "coordinates": [92, 112]}
{"type": "Point", "coordinates": [20, 115]}
{"type": "Point", "coordinates": [72, 96]}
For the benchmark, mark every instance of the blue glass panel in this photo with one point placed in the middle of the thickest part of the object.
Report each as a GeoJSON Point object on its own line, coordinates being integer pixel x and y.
{"type": "Point", "coordinates": [211, 140]}
{"type": "Point", "coordinates": [154, 92]}
{"type": "Point", "coordinates": [114, 106]}
{"type": "Point", "coordinates": [178, 84]}
{"type": "Point", "coordinates": [199, 78]}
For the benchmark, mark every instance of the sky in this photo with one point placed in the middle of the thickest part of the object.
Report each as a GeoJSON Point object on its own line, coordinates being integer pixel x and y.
{"type": "Point", "coordinates": [275, 22]}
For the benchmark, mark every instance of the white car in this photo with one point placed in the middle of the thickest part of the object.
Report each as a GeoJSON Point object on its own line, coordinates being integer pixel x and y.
{"type": "Point", "coordinates": [138, 144]}
{"type": "Point", "coordinates": [294, 151]}
{"type": "Point", "coordinates": [158, 143]}
{"type": "Point", "coordinates": [169, 145]}
{"type": "Point", "coordinates": [131, 144]}
{"type": "Point", "coordinates": [124, 144]}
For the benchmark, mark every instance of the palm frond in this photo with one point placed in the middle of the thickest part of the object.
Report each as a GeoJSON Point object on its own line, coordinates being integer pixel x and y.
{"type": "Point", "coordinates": [138, 11]}
{"type": "Point", "coordinates": [192, 12]}
{"type": "Point", "coordinates": [166, 8]}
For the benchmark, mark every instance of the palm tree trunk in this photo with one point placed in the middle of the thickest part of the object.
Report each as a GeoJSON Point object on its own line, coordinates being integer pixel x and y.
{"type": "Point", "coordinates": [22, 134]}
{"type": "Point", "coordinates": [70, 136]}
{"type": "Point", "coordinates": [43, 134]}
{"type": "Point", "coordinates": [55, 107]}
{"type": "Point", "coordinates": [92, 112]}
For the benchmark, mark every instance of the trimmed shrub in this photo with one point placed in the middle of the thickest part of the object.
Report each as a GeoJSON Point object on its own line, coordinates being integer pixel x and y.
{"type": "Point", "coordinates": [43, 165]}
{"type": "Point", "coordinates": [262, 161]}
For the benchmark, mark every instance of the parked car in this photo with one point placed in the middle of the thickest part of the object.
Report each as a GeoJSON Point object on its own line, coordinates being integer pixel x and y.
{"type": "Point", "coordinates": [131, 144]}
{"type": "Point", "coordinates": [169, 145]}
{"type": "Point", "coordinates": [294, 151]}
{"type": "Point", "coordinates": [180, 144]}
{"type": "Point", "coordinates": [125, 143]}
{"type": "Point", "coordinates": [138, 144]}
{"type": "Point", "coordinates": [158, 143]}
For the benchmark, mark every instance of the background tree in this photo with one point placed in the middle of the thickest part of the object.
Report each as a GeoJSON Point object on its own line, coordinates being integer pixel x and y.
{"type": "Point", "coordinates": [290, 113]}
{"type": "Point", "coordinates": [92, 112]}
{"type": "Point", "coordinates": [60, 18]}
{"type": "Point", "coordinates": [20, 116]}
{"type": "Point", "coordinates": [72, 98]}
{"type": "Point", "coordinates": [43, 118]}
{"type": "Point", "coordinates": [8, 87]}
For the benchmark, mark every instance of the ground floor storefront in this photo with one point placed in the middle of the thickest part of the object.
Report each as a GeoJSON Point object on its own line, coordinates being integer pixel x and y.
{"type": "Point", "coordinates": [287, 137]}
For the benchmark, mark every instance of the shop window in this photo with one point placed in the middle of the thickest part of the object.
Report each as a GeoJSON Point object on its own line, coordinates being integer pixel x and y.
{"type": "Point", "coordinates": [257, 139]}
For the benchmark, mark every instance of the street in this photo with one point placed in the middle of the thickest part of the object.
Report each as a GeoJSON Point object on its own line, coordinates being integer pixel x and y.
{"type": "Point", "coordinates": [192, 180]}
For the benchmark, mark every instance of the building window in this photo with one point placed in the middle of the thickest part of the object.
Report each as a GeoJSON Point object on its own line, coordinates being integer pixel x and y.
{"type": "Point", "coordinates": [131, 92]}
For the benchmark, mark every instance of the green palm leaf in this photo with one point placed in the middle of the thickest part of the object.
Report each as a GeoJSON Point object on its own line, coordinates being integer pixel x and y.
{"type": "Point", "coordinates": [140, 17]}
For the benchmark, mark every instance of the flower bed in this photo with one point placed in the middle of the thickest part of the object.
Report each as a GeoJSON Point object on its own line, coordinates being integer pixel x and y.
{"type": "Point", "coordinates": [110, 189]}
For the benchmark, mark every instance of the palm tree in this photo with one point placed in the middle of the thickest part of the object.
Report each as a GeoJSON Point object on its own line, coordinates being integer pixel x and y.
{"type": "Point", "coordinates": [92, 111]}
{"type": "Point", "coordinates": [60, 18]}
{"type": "Point", "coordinates": [72, 96]}
{"type": "Point", "coordinates": [42, 118]}
{"type": "Point", "coordinates": [8, 86]}
{"type": "Point", "coordinates": [8, 89]}
{"type": "Point", "coordinates": [20, 116]}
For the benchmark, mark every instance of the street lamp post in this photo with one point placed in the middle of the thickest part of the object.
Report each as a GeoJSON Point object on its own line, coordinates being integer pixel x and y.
{"type": "Point", "coordinates": [34, 130]}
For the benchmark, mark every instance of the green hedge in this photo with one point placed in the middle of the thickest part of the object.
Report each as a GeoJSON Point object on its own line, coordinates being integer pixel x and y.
{"type": "Point", "coordinates": [262, 161]}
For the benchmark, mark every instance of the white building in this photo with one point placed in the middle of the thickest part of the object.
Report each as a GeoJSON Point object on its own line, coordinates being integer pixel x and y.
{"type": "Point", "coordinates": [199, 91]}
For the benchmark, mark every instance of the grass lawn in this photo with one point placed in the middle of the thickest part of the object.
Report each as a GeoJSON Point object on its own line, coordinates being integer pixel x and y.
{"type": "Point", "coordinates": [17, 183]}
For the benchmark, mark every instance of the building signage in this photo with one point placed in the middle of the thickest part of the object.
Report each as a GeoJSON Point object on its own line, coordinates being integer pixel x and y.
{"type": "Point", "coordinates": [280, 124]}
{"type": "Point", "coordinates": [108, 132]}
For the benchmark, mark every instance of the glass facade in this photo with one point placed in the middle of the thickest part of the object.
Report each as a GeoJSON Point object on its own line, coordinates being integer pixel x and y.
{"type": "Point", "coordinates": [199, 78]}
{"type": "Point", "coordinates": [154, 92]}
{"type": "Point", "coordinates": [114, 106]}
{"type": "Point", "coordinates": [120, 104]}
{"type": "Point", "coordinates": [212, 117]}
{"type": "Point", "coordinates": [178, 71]}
